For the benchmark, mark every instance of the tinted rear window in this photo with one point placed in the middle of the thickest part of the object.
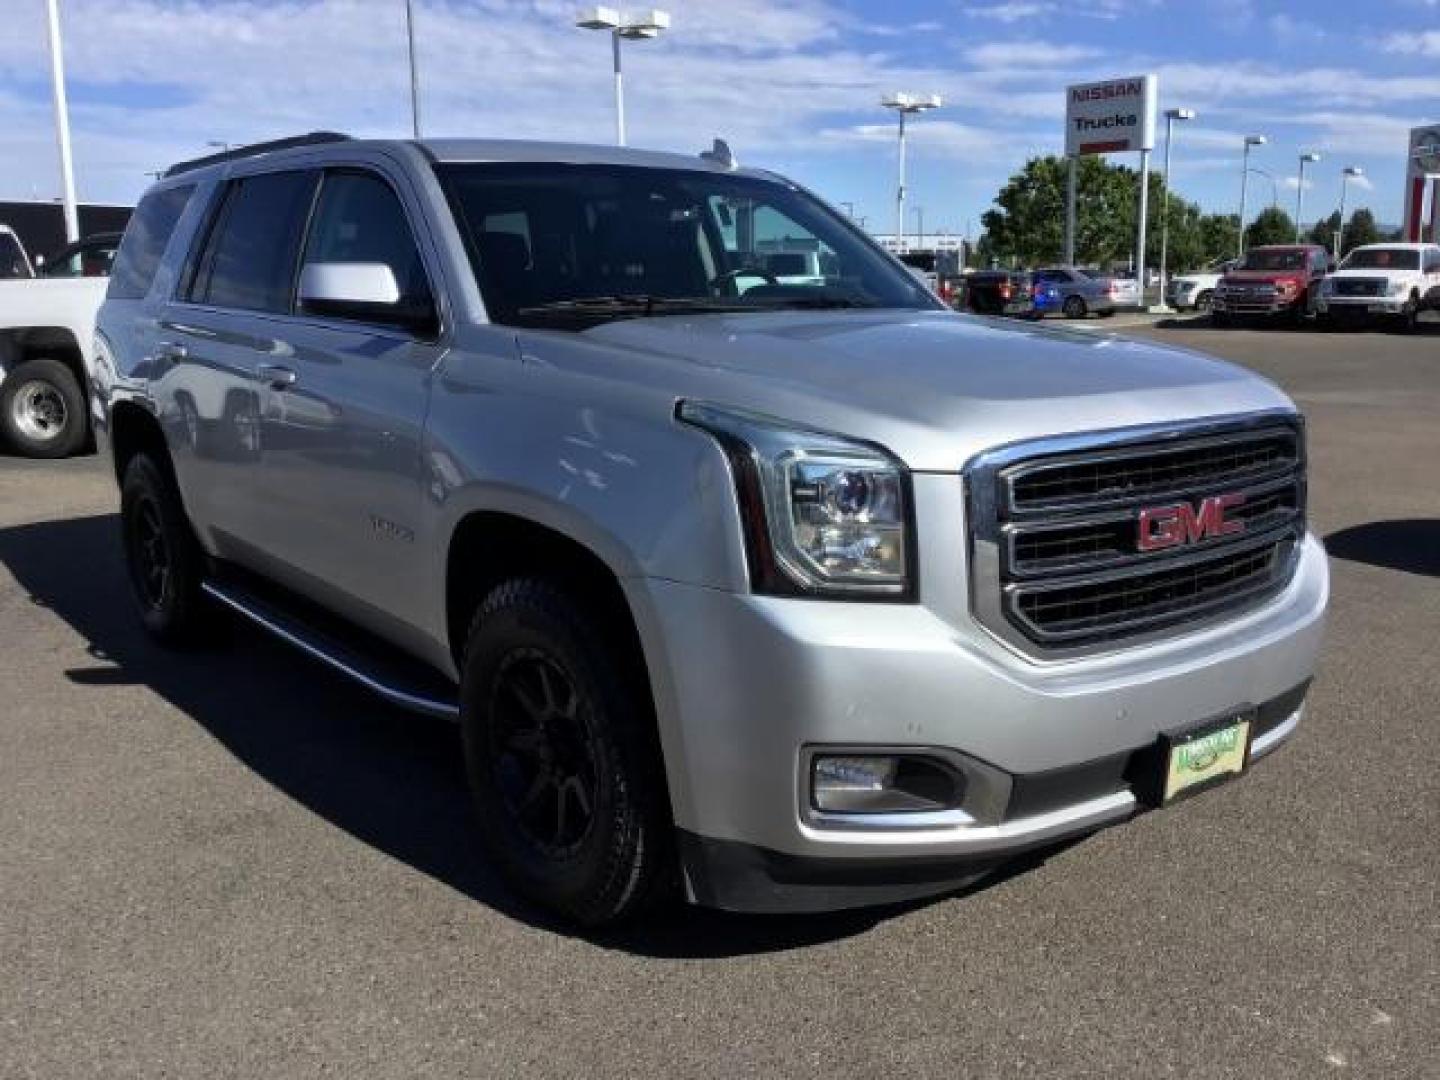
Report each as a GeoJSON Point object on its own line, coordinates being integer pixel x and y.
{"type": "Point", "coordinates": [249, 258]}
{"type": "Point", "coordinates": [144, 243]}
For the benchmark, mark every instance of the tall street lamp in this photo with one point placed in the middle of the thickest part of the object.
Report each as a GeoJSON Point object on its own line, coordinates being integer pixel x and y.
{"type": "Point", "coordinates": [1250, 140]}
{"type": "Point", "coordinates": [1171, 115]}
{"type": "Point", "coordinates": [618, 25]}
{"type": "Point", "coordinates": [414, 69]}
{"type": "Point", "coordinates": [920, 227]}
{"type": "Point", "coordinates": [1345, 175]}
{"type": "Point", "coordinates": [1307, 158]}
{"type": "Point", "coordinates": [62, 123]}
{"type": "Point", "coordinates": [906, 105]}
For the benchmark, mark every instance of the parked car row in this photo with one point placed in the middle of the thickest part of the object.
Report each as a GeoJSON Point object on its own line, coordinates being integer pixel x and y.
{"type": "Point", "coordinates": [1070, 291]}
{"type": "Point", "coordinates": [1296, 283]}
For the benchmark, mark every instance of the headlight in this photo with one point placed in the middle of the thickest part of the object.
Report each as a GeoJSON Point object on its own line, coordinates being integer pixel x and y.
{"type": "Point", "coordinates": [823, 515]}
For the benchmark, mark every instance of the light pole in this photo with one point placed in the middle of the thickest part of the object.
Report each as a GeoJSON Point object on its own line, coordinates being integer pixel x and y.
{"type": "Point", "coordinates": [1250, 140]}
{"type": "Point", "coordinates": [634, 28]}
{"type": "Point", "coordinates": [414, 70]}
{"type": "Point", "coordinates": [1345, 175]}
{"type": "Point", "coordinates": [1171, 115]}
{"type": "Point", "coordinates": [849, 208]}
{"type": "Point", "coordinates": [62, 123]}
{"type": "Point", "coordinates": [920, 227]}
{"type": "Point", "coordinates": [1309, 157]}
{"type": "Point", "coordinates": [906, 105]}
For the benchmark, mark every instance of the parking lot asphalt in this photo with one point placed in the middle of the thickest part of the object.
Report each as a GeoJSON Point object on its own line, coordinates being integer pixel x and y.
{"type": "Point", "coordinates": [230, 863]}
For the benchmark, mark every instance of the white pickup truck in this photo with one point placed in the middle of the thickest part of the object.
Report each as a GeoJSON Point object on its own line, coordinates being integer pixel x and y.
{"type": "Point", "coordinates": [47, 324]}
{"type": "Point", "coordinates": [1395, 282]}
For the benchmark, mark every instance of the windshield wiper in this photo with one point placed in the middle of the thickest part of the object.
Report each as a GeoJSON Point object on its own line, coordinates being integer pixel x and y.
{"type": "Point", "coordinates": [626, 306]}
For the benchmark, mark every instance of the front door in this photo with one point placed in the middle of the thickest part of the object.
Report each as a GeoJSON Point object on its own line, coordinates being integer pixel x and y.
{"type": "Point", "coordinates": [343, 412]}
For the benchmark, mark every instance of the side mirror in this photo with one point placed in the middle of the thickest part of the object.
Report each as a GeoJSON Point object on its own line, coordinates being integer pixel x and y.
{"type": "Point", "coordinates": [365, 292]}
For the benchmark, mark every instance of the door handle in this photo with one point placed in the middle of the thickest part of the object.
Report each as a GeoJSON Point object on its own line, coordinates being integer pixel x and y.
{"type": "Point", "coordinates": [276, 376]}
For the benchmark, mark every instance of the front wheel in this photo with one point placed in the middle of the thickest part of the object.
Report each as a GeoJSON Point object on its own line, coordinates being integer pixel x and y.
{"type": "Point", "coordinates": [1409, 318]}
{"type": "Point", "coordinates": [42, 409]}
{"type": "Point", "coordinates": [1202, 302]}
{"type": "Point", "coordinates": [1074, 308]}
{"type": "Point", "coordinates": [562, 758]}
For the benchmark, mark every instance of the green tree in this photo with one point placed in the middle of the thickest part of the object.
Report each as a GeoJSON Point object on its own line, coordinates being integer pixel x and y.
{"type": "Point", "coordinates": [1272, 226]}
{"type": "Point", "coordinates": [1028, 223]}
{"type": "Point", "coordinates": [1219, 234]}
{"type": "Point", "coordinates": [1324, 231]}
{"type": "Point", "coordinates": [1361, 229]}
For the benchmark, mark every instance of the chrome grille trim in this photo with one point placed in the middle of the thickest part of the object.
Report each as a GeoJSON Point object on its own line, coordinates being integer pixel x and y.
{"type": "Point", "coordinates": [1156, 594]}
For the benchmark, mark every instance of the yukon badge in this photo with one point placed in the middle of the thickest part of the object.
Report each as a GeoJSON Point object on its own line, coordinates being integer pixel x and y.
{"type": "Point", "coordinates": [1163, 527]}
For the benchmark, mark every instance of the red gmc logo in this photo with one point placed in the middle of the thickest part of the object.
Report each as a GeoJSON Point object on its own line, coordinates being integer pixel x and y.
{"type": "Point", "coordinates": [1164, 527]}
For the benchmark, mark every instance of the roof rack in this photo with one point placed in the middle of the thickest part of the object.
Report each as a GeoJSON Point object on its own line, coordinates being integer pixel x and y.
{"type": "Point", "coordinates": [314, 138]}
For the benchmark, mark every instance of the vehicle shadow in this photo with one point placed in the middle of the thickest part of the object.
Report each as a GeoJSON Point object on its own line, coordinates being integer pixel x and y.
{"type": "Point", "coordinates": [390, 779]}
{"type": "Point", "coordinates": [1411, 545]}
{"type": "Point", "coordinates": [1429, 326]}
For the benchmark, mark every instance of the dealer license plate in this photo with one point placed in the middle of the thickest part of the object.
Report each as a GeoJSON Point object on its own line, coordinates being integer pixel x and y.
{"type": "Point", "coordinates": [1198, 759]}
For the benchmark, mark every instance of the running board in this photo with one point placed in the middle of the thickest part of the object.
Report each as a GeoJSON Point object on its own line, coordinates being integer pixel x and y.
{"type": "Point", "coordinates": [350, 662]}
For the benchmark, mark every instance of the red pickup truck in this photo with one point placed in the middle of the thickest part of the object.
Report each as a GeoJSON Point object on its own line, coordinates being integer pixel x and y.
{"type": "Point", "coordinates": [1272, 282]}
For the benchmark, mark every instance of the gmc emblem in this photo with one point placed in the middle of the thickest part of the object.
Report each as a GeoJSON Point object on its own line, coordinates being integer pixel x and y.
{"type": "Point", "coordinates": [1164, 527]}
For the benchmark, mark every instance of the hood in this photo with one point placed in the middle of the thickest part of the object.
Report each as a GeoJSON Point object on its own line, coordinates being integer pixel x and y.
{"type": "Point", "coordinates": [1263, 277]}
{"type": "Point", "coordinates": [934, 387]}
{"type": "Point", "coordinates": [1372, 272]}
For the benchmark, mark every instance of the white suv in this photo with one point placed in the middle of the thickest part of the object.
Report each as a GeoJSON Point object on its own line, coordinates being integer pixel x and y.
{"type": "Point", "coordinates": [1395, 281]}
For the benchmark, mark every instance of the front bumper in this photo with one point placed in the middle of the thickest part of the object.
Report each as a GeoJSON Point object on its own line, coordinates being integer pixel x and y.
{"type": "Point", "coordinates": [1248, 305]}
{"type": "Point", "coordinates": [745, 684]}
{"type": "Point", "coordinates": [1360, 305]}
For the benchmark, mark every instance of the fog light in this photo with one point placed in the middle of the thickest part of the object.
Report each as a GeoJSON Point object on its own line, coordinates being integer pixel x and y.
{"type": "Point", "coordinates": [882, 784]}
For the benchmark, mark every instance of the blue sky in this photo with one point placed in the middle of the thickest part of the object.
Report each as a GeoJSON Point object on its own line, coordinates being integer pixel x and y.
{"type": "Point", "coordinates": [793, 86]}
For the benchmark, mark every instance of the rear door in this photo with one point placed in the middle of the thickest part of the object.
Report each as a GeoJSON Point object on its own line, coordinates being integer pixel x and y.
{"type": "Point", "coordinates": [226, 322]}
{"type": "Point", "coordinates": [340, 487]}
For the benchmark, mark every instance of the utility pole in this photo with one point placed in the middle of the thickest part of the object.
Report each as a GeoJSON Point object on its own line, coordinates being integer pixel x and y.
{"type": "Point", "coordinates": [62, 122]}
{"type": "Point", "coordinates": [414, 71]}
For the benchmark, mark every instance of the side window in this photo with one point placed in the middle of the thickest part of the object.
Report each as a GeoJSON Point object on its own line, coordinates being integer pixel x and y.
{"type": "Point", "coordinates": [249, 257]}
{"type": "Point", "coordinates": [144, 241]}
{"type": "Point", "coordinates": [1432, 262]}
{"type": "Point", "coordinates": [359, 219]}
{"type": "Point", "coordinates": [756, 235]}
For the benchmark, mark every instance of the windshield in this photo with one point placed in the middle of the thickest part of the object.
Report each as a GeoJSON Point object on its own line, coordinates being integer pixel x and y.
{"type": "Point", "coordinates": [1272, 260]}
{"type": "Point", "coordinates": [1382, 259]}
{"type": "Point", "coordinates": [12, 258]}
{"type": "Point", "coordinates": [610, 241]}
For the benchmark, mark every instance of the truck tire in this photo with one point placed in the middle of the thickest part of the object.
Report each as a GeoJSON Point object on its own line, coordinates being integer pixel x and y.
{"type": "Point", "coordinates": [562, 758]}
{"type": "Point", "coordinates": [42, 409]}
{"type": "Point", "coordinates": [1202, 302]}
{"type": "Point", "coordinates": [1409, 318]}
{"type": "Point", "coordinates": [165, 563]}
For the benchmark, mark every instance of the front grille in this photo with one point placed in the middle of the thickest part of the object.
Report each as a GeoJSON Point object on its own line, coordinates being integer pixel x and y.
{"type": "Point", "coordinates": [1059, 562]}
{"type": "Point", "coordinates": [1359, 286]}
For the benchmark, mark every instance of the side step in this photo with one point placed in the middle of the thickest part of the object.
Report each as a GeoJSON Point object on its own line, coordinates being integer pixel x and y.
{"type": "Point", "coordinates": [402, 682]}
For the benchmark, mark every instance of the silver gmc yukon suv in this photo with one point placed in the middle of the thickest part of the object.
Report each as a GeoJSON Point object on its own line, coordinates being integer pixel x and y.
{"type": "Point", "coordinates": [787, 595]}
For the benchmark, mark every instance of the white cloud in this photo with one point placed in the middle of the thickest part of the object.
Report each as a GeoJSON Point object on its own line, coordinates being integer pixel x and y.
{"type": "Point", "coordinates": [1424, 43]}
{"type": "Point", "coordinates": [1012, 12]}
{"type": "Point", "coordinates": [1291, 32]}
{"type": "Point", "coordinates": [1029, 56]}
{"type": "Point", "coordinates": [1293, 182]}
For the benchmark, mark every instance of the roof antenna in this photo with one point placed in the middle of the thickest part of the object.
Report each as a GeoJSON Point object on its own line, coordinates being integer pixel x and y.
{"type": "Point", "coordinates": [720, 154]}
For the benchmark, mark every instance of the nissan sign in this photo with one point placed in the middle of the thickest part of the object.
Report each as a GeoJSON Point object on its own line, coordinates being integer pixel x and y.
{"type": "Point", "coordinates": [1111, 117]}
